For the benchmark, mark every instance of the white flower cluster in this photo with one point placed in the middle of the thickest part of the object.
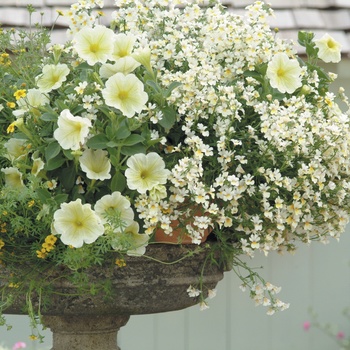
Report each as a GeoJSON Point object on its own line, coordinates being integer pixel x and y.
{"type": "Point", "coordinates": [268, 164]}
{"type": "Point", "coordinates": [264, 294]}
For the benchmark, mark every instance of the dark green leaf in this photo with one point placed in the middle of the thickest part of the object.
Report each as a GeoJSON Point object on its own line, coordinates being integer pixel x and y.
{"type": "Point", "coordinates": [49, 117]}
{"type": "Point", "coordinates": [67, 177]}
{"type": "Point", "coordinates": [131, 150]}
{"type": "Point", "coordinates": [133, 139]}
{"type": "Point", "coordinates": [118, 182]}
{"type": "Point", "coordinates": [98, 142]}
{"type": "Point", "coordinates": [54, 163]}
{"type": "Point", "coordinates": [169, 117]}
{"type": "Point", "coordinates": [52, 150]}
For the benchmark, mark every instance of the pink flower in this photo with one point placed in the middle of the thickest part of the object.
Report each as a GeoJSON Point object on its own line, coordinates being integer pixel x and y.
{"type": "Point", "coordinates": [19, 345]}
{"type": "Point", "coordinates": [306, 325]}
{"type": "Point", "coordinates": [340, 335]}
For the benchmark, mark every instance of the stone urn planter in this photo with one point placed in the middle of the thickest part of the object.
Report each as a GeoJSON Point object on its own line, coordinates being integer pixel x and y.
{"type": "Point", "coordinates": [142, 286]}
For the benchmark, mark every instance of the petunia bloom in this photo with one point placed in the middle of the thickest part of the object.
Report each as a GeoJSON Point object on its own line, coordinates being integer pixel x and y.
{"type": "Point", "coordinates": [52, 77]}
{"type": "Point", "coordinates": [94, 44]}
{"type": "Point", "coordinates": [77, 223]}
{"type": "Point", "coordinates": [328, 49]}
{"type": "Point", "coordinates": [115, 204]}
{"type": "Point", "coordinates": [131, 240]}
{"type": "Point", "coordinates": [13, 177]}
{"type": "Point", "coordinates": [123, 65]}
{"type": "Point", "coordinates": [30, 103]}
{"type": "Point", "coordinates": [95, 164]}
{"type": "Point", "coordinates": [126, 93]}
{"type": "Point", "coordinates": [284, 73]}
{"type": "Point", "coordinates": [72, 130]}
{"type": "Point", "coordinates": [144, 172]}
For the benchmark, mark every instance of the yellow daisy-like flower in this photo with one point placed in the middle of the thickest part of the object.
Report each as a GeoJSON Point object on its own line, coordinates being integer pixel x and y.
{"type": "Point", "coordinates": [20, 94]}
{"type": "Point", "coordinates": [10, 105]}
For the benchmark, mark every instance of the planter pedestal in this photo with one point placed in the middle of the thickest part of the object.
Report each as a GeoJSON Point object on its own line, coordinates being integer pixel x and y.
{"type": "Point", "coordinates": [144, 286]}
{"type": "Point", "coordinates": [85, 332]}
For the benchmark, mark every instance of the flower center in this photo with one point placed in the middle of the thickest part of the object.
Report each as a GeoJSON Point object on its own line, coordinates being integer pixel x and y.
{"type": "Point", "coordinates": [143, 174]}
{"type": "Point", "coordinates": [94, 48]}
{"type": "Point", "coordinates": [331, 44]}
{"type": "Point", "coordinates": [123, 95]}
{"type": "Point", "coordinates": [280, 72]}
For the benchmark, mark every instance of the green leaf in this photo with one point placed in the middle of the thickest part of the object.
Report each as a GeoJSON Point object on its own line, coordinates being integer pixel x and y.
{"type": "Point", "coordinates": [49, 117]}
{"type": "Point", "coordinates": [99, 141]}
{"type": "Point", "coordinates": [169, 118]}
{"type": "Point", "coordinates": [131, 150]}
{"type": "Point", "coordinates": [61, 198]}
{"type": "Point", "coordinates": [52, 150]}
{"type": "Point", "coordinates": [67, 177]}
{"type": "Point", "coordinates": [133, 139]}
{"type": "Point", "coordinates": [154, 86]}
{"type": "Point", "coordinates": [43, 194]}
{"type": "Point", "coordinates": [118, 182]}
{"type": "Point", "coordinates": [54, 163]}
{"type": "Point", "coordinates": [171, 87]}
{"type": "Point", "coordinates": [122, 132]}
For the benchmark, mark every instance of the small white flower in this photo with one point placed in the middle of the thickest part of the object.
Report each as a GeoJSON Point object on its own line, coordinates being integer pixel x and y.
{"type": "Point", "coordinates": [284, 73]}
{"type": "Point", "coordinates": [126, 93]}
{"type": "Point", "coordinates": [328, 49]}
{"type": "Point", "coordinates": [72, 130]}
{"type": "Point", "coordinates": [144, 172]}
{"type": "Point", "coordinates": [193, 292]}
{"type": "Point", "coordinates": [52, 77]}
{"type": "Point", "coordinates": [94, 44]}
{"type": "Point", "coordinates": [77, 224]}
{"type": "Point", "coordinates": [95, 164]}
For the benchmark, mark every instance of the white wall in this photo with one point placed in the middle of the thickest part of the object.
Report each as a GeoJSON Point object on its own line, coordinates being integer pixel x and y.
{"type": "Point", "coordinates": [316, 276]}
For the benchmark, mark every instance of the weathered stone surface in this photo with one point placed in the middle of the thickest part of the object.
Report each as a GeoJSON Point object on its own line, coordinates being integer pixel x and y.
{"type": "Point", "coordinates": [143, 286]}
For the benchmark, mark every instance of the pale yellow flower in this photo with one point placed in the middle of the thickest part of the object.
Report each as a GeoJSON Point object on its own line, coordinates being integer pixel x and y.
{"type": "Point", "coordinates": [144, 172]}
{"type": "Point", "coordinates": [52, 77]}
{"type": "Point", "coordinates": [94, 44]}
{"type": "Point", "coordinates": [77, 223]}
{"type": "Point", "coordinates": [38, 164]}
{"type": "Point", "coordinates": [123, 65]}
{"type": "Point", "coordinates": [34, 99]}
{"type": "Point", "coordinates": [72, 130]}
{"type": "Point", "coordinates": [131, 240]}
{"type": "Point", "coordinates": [328, 49]}
{"type": "Point", "coordinates": [95, 164]}
{"type": "Point", "coordinates": [284, 73]}
{"type": "Point", "coordinates": [126, 93]}
{"type": "Point", "coordinates": [15, 149]}
{"type": "Point", "coordinates": [13, 177]}
{"type": "Point", "coordinates": [115, 204]}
